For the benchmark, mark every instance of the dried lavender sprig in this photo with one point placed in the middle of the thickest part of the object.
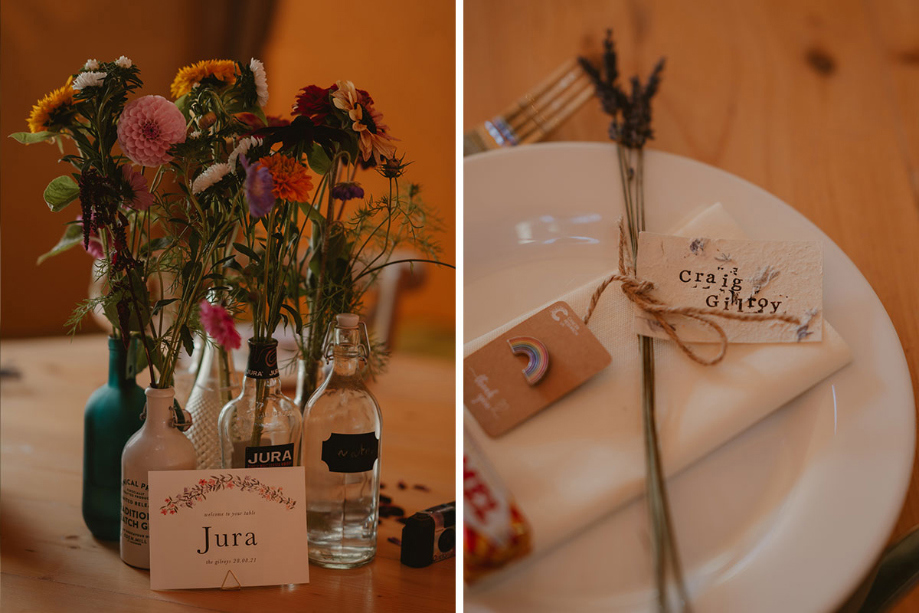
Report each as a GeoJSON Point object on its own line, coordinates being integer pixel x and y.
{"type": "Point", "coordinates": [630, 127]}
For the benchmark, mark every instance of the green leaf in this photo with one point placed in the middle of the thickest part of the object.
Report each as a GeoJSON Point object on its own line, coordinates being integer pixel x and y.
{"type": "Point", "coordinates": [258, 112]}
{"type": "Point", "coordinates": [182, 103]}
{"type": "Point", "coordinates": [312, 212]}
{"type": "Point", "coordinates": [137, 358]}
{"type": "Point", "coordinates": [351, 147]}
{"type": "Point", "coordinates": [185, 274]}
{"type": "Point", "coordinates": [162, 303]}
{"type": "Point", "coordinates": [29, 138]}
{"type": "Point", "coordinates": [61, 192]}
{"type": "Point", "coordinates": [223, 261]}
{"type": "Point", "coordinates": [244, 249]}
{"type": "Point", "coordinates": [157, 244]}
{"type": "Point", "coordinates": [187, 340]}
{"type": "Point", "coordinates": [295, 314]}
{"type": "Point", "coordinates": [193, 241]}
{"type": "Point", "coordinates": [73, 236]}
{"type": "Point", "coordinates": [318, 159]}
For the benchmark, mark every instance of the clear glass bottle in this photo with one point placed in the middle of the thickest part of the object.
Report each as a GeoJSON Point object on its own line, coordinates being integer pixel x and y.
{"type": "Point", "coordinates": [341, 454]}
{"type": "Point", "coordinates": [304, 388]}
{"type": "Point", "coordinates": [215, 386]}
{"type": "Point", "coordinates": [260, 427]}
{"type": "Point", "coordinates": [187, 372]}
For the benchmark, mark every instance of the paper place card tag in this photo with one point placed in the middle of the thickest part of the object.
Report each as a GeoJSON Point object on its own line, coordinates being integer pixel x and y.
{"type": "Point", "coordinates": [227, 528]}
{"type": "Point", "coordinates": [739, 276]}
{"type": "Point", "coordinates": [529, 367]}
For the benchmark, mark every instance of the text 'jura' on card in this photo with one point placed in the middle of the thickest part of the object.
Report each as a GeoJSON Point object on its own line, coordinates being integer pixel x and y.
{"type": "Point", "coordinates": [734, 276]}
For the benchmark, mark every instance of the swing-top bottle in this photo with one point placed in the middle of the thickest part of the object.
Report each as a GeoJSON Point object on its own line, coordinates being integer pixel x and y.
{"type": "Point", "coordinates": [341, 455]}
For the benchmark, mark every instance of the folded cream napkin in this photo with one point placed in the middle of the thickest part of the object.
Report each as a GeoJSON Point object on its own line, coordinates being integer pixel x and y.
{"type": "Point", "coordinates": [583, 457]}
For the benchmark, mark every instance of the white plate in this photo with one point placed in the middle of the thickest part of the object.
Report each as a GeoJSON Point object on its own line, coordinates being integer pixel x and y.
{"type": "Point", "coordinates": [787, 517]}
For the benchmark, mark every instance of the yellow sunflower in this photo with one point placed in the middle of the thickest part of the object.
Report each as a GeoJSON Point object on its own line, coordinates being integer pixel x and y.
{"type": "Point", "coordinates": [188, 77]}
{"type": "Point", "coordinates": [41, 116]}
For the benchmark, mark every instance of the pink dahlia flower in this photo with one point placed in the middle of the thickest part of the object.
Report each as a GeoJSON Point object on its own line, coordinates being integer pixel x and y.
{"type": "Point", "coordinates": [148, 127]}
{"type": "Point", "coordinates": [219, 325]}
{"type": "Point", "coordinates": [141, 198]}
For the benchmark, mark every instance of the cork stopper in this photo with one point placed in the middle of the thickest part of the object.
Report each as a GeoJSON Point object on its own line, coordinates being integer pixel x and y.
{"type": "Point", "coordinates": [346, 320]}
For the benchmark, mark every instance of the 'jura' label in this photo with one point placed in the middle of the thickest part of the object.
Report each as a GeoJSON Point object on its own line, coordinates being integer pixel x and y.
{"type": "Point", "coordinates": [351, 453]}
{"type": "Point", "coordinates": [270, 456]}
{"type": "Point", "coordinates": [263, 360]}
{"type": "Point", "coordinates": [135, 527]}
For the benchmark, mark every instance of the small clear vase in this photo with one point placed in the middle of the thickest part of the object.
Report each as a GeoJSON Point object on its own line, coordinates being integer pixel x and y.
{"type": "Point", "coordinates": [187, 372]}
{"type": "Point", "coordinates": [308, 379]}
{"type": "Point", "coordinates": [216, 384]}
{"type": "Point", "coordinates": [261, 427]}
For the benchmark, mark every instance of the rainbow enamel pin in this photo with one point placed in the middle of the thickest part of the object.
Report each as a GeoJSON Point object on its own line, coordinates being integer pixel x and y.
{"type": "Point", "coordinates": [537, 357]}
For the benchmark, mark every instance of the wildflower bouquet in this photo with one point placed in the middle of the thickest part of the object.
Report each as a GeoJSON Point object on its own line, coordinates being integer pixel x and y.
{"type": "Point", "coordinates": [339, 131]}
{"type": "Point", "coordinates": [219, 203]}
{"type": "Point", "coordinates": [155, 220]}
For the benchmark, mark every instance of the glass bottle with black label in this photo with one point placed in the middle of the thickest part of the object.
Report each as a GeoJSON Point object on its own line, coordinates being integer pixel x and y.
{"type": "Point", "coordinates": [341, 454]}
{"type": "Point", "coordinates": [260, 427]}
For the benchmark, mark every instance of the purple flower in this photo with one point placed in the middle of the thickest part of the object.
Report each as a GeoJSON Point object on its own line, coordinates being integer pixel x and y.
{"type": "Point", "coordinates": [259, 188]}
{"type": "Point", "coordinates": [347, 191]}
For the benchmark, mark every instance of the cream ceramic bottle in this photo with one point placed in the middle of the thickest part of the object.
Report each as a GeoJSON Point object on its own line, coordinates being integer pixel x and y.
{"type": "Point", "coordinates": [158, 445]}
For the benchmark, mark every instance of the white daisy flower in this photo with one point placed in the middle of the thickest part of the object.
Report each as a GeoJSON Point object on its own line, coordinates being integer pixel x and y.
{"type": "Point", "coordinates": [88, 79]}
{"type": "Point", "coordinates": [210, 176]}
{"type": "Point", "coordinates": [123, 62]}
{"type": "Point", "coordinates": [91, 65]}
{"type": "Point", "coordinates": [242, 148]}
{"type": "Point", "coordinates": [261, 81]}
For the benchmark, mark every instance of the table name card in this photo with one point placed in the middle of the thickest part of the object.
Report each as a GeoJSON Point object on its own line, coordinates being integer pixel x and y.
{"type": "Point", "coordinates": [227, 528]}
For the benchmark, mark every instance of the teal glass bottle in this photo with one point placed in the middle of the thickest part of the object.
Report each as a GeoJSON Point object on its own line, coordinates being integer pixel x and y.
{"type": "Point", "coordinates": [112, 416]}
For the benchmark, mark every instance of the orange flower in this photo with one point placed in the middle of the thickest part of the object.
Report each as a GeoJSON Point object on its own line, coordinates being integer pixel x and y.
{"type": "Point", "coordinates": [291, 180]}
{"type": "Point", "coordinates": [188, 77]}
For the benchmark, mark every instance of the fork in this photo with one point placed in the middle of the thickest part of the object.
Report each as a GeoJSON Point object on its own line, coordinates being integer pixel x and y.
{"type": "Point", "coordinates": [534, 115]}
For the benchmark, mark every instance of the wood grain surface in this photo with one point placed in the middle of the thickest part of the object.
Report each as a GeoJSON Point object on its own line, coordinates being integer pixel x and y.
{"type": "Point", "coordinates": [815, 101]}
{"type": "Point", "coordinates": [51, 562]}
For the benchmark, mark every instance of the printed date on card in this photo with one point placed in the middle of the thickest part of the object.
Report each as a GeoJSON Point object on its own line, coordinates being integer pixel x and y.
{"type": "Point", "coordinates": [739, 276]}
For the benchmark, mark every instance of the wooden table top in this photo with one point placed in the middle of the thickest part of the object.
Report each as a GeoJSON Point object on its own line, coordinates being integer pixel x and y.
{"type": "Point", "coordinates": [816, 102]}
{"type": "Point", "coordinates": [51, 562]}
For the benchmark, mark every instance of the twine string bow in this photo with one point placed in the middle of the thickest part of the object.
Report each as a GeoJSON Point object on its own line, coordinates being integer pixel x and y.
{"type": "Point", "coordinates": [638, 290]}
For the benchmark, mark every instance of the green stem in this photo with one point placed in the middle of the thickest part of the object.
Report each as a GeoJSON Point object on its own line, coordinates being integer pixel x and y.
{"type": "Point", "coordinates": [663, 546]}
{"type": "Point", "coordinates": [368, 271]}
{"type": "Point", "coordinates": [258, 426]}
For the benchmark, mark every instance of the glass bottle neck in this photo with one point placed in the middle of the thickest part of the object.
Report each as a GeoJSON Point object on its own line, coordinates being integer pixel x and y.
{"type": "Point", "coordinates": [346, 353]}
{"type": "Point", "coordinates": [346, 363]}
{"type": "Point", "coordinates": [118, 375]}
{"type": "Point", "coordinates": [272, 384]}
